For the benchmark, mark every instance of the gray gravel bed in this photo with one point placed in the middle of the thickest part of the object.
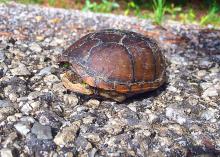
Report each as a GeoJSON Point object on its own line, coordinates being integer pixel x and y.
{"type": "Point", "coordinates": [38, 116]}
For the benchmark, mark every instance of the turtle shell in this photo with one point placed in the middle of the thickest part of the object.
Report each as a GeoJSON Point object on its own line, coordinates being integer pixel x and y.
{"type": "Point", "coordinates": [119, 60]}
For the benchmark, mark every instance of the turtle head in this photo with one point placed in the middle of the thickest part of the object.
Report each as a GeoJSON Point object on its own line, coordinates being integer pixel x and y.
{"type": "Point", "coordinates": [70, 80]}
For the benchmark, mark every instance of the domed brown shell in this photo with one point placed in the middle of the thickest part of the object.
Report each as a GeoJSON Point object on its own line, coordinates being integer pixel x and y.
{"type": "Point", "coordinates": [119, 60]}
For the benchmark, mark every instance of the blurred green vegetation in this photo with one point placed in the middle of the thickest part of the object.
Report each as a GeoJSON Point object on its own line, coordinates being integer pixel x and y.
{"type": "Point", "coordinates": [31, 1]}
{"type": "Point", "coordinates": [212, 16]}
{"type": "Point", "coordinates": [3, 1]}
{"type": "Point", "coordinates": [159, 10]}
{"type": "Point", "coordinates": [105, 6]}
{"type": "Point", "coordinates": [203, 12]}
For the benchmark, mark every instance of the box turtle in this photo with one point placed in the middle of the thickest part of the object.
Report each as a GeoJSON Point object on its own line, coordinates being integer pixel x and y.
{"type": "Point", "coordinates": [114, 64]}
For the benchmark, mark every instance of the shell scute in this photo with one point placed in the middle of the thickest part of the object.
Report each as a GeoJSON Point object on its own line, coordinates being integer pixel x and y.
{"type": "Point", "coordinates": [105, 61]}
{"type": "Point", "coordinates": [110, 37]}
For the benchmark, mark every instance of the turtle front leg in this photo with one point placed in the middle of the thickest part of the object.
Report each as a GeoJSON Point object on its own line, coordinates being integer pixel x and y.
{"type": "Point", "coordinates": [71, 82]}
{"type": "Point", "coordinates": [75, 87]}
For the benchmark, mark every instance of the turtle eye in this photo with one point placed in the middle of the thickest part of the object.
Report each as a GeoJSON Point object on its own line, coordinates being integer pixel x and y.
{"type": "Point", "coordinates": [64, 65]}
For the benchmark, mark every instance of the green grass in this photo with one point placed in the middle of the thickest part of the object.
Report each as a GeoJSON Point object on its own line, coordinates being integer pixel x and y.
{"type": "Point", "coordinates": [31, 1]}
{"type": "Point", "coordinates": [188, 17]}
{"type": "Point", "coordinates": [105, 6]}
{"type": "Point", "coordinates": [52, 2]}
{"type": "Point", "coordinates": [4, 1]}
{"type": "Point", "coordinates": [156, 10]}
{"type": "Point", "coordinates": [173, 10]}
{"type": "Point", "coordinates": [159, 10]}
{"type": "Point", "coordinates": [132, 7]}
{"type": "Point", "coordinates": [212, 15]}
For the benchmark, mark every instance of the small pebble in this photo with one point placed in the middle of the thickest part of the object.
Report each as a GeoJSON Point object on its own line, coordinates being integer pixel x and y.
{"type": "Point", "coordinates": [210, 115]}
{"type": "Point", "coordinates": [94, 138]}
{"type": "Point", "coordinates": [67, 134]}
{"type": "Point", "coordinates": [51, 79]}
{"type": "Point", "coordinates": [22, 128]}
{"type": "Point", "coordinates": [26, 108]}
{"type": "Point", "coordinates": [43, 132]}
{"type": "Point", "coordinates": [6, 152]}
{"type": "Point", "coordinates": [93, 103]}
{"type": "Point", "coordinates": [45, 71]}
{"type": "Point", "coordinates": [2, 56]}
{"type": "Point", "coordinates": [176, 115]}
{"type": "Point", "coordinates": [21, 70]}
{"type": "Point", "coordinates": [35, 48]}
{"type": "Point", "coordinates": [71, 100]}
{"type": "Point", "coordinates": [210, 92]}
{"type": "Point", "coordinates": [4, 103]}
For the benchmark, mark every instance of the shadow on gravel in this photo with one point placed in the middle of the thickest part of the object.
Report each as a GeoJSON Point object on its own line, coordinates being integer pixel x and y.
{"type": "Point", "coordinates": [146, 95]}
{"type": "Point", "coordinates": [138, 97]}
{"type": "Point", "coordinates": [200, 151]}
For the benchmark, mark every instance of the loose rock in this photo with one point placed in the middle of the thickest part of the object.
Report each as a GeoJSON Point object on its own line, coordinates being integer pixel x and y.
{"type": "Point", "coordinates": [71, 100]}
{"type": "Point", "coordinates": [176, 115]}
{"type": "Point", "coordinates": [6, 152]}
{"type": "Point", "coordinates": [67, 134]}
{"type": "Point", "coordinates": [22, 128]}
{"type": "Point", "coordinates": [2, 56]}
{"type": "Point", "coordinates": [45, 71]}
{"type": "Point", "coordinates": [43, 132]}
{"type": "Point", "coordinates": [4, 103]}
{"type": "Point", "coordinates": [210, 92]}
{"type": "Point", "coordinates": [21, 70]}
{"type": "Point", "coordinates": [35, 48]}
{"type": "Point", "coordinates": [93, 103]}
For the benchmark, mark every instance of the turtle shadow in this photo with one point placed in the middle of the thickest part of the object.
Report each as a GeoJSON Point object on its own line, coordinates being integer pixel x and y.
{"type": "Point", "coordinates": [146, 95]}
{"type": "Point", "coordinates": [201, 151]}
{"type": "Point", "coordinates": [136, 97]}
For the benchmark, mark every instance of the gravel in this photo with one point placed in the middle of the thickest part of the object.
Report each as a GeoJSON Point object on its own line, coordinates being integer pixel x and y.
{"type": "Point", "coordinates": [39, 117]}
